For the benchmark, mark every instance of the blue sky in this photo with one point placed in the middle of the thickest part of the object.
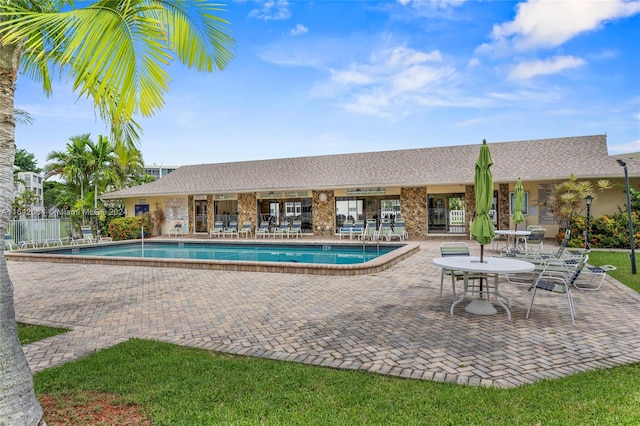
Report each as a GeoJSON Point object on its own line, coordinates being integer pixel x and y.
{"type": "Point", "coordinates": [331, 77]}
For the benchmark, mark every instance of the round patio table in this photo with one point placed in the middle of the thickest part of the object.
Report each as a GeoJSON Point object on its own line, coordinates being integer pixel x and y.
{"type": "Point", "coordinates": [489, 266]}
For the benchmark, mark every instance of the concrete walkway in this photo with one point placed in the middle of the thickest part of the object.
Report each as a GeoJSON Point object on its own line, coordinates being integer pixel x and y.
{"type": "Point", "coordinates": [393, 322]}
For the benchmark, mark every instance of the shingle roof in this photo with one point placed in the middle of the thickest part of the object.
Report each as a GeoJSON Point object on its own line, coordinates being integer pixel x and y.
{"type": "Point", "coordinates": [586, 157]}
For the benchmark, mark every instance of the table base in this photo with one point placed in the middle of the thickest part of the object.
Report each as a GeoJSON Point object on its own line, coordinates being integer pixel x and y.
{"type": "Point", "coordinates": [481, 307]}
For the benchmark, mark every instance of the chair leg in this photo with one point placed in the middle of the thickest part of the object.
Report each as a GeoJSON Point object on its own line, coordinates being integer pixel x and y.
{"type": "Point", "coordinates": [533, 295]}
{"type": "Point", "coordinates": [571, 307]}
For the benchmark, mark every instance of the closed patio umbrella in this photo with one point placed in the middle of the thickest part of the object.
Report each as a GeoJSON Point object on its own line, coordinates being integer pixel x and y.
{"type": "Point", "coordinates": [518, 203]}
{"type": "Point", "coordinates": [482, 228]}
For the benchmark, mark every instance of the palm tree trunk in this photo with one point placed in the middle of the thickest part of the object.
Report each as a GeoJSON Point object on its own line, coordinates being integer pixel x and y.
{"type": "Point", "coordinates": [18, 403]}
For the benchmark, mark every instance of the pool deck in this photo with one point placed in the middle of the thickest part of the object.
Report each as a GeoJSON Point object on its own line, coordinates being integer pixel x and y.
{"type": "Point", "coordinates": [391, 322]}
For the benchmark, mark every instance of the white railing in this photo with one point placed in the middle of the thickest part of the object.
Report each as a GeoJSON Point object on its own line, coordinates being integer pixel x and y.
{"type": "Point", "coordinates": [38, 230]}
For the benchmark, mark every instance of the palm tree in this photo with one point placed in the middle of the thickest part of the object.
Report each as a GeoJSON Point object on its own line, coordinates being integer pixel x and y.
{"type": "Point", "coordinates": [116, 52]}
{"type": "Point", "coordinates": [103, 166]}
{"type": "Point", "coordinates": [72, 164]}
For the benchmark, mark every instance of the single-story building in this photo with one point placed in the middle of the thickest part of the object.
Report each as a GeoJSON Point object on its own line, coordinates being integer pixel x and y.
{"type": "Point", "coordinates": [431, 188]}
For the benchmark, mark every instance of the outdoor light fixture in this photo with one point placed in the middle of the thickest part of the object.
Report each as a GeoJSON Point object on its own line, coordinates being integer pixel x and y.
{"type": "Point", "coordinates": [632, 256]}
{"type": "Point", "coordinates": [588, 200]}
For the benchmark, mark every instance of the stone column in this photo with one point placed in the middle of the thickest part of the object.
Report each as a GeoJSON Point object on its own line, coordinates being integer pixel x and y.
{"type": "Point", "coordinates": [323, 212]}
{"type": "Point", "coordinates": [503, 206]}
{"type": "Point", "coordinates": [413, 206]}
{"type": "Point", "coordinates": [190, 213]}
{"type": "Point", "coordinates": [248, 209]}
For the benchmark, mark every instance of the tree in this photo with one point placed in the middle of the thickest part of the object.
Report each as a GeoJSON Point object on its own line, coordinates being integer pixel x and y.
{"type": "Point", "coordinates": [567, 198]}
{"type": "Point", "coordinates": [115, 52]}
{"type": "Point", "coordinates": [26, 161]}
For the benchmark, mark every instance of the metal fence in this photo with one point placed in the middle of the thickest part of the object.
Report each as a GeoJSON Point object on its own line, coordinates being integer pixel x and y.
{"type": "Point", "coordinates": [39, 230]}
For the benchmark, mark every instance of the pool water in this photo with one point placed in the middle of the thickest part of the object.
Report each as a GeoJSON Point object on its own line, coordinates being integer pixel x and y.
{"type": "Point", "coordinates": [298, 253]}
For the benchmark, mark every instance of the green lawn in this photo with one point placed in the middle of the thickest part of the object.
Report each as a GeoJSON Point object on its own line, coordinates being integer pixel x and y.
{"type": "Point", "coordinates": [173, 385]}
{"type": "Point", "coordinates": [621, 261]}
{"type": "Point", "coordinates": [32, 333]}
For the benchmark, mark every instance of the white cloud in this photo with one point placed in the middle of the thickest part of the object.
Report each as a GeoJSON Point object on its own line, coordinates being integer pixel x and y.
{"type": "Point", "coordinates": [529, 69]}
{"type": "Point", "coordinates": [624, 148]}
{"type": "Point", "coordinates": [272, 10]}
{"type": "Point", "coordinates": [299, 29]}
{"type": "Point", "coordinates": [548, 24]}
{"type": "Point", "coordinates": [389, 81]}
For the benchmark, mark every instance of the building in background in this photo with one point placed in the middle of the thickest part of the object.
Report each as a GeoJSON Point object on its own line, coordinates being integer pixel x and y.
{"type": "Point", "coordinates": [158, 171]}
{"type": "Point", "coordinates": [28, 194]}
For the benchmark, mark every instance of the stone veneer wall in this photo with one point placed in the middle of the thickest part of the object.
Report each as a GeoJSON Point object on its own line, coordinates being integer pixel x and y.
{"type": "Point", "coordinates": [210, 210]}
{"type": "Point", "coordinates": [413, 206]}
{"type": "Point", "coordinates": [248, 209]}
{"type": "Point", "coordinates": [470, 205]}
{"type": "Point", "coordinates": [323, 213]}
{"type": "Point", "coordinates": [503, 206]}
{"type": "Point", "coordinates": [190, 213]}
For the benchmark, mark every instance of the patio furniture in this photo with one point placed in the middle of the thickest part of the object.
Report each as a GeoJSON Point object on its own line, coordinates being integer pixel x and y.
{"type": "Point", "coordinates": [231, 230]}
{"type": "Point", "coordinates": [553, 282]}
{"type": "Point", "coordinates": [217, 230]}
{"type": "Point", "coordinates": [296, 228]}
{"type": "Point", "coordinates": [385, 229]}
{"type": "Point", "coordinates": [282, 230]}
{"type": "Point", "coordinates": [371, 230]}
{"type": "Point", "coordinates": [8, 242]}
{"type": "Point", "coordinates": [535, 239]}
{"type": "Point", "coordinates": [263, 229]}
{"type": "Point", "coordinates": [246, 230]}
{"type": "Point", "coordinates": [345, 229]}
{"type": "Point", "coordinates": [87, 234]}
{"type": "Point", "coordinates": [453, 248]}
{"type": "Point", "coordinates": [398, 231]}
{"type": "Point", "coordinates": [176, 229]}
{"type": "Point", "coordinates": [597, 273]}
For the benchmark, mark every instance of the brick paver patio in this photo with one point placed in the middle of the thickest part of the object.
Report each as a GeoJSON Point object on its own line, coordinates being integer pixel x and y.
{"type": "Point", "coordinates": [393, 322]}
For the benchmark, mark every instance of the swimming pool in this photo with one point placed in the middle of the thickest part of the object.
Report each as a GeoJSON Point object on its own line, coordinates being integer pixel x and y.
{"type": "Point", "coordinates": [326, 258]}
{"type": "Point", "coordinates": [307, 253]}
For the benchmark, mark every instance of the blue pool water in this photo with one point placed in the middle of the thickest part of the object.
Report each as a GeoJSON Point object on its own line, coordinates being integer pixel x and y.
{"type": "Point", "coordinates": [298, 253]}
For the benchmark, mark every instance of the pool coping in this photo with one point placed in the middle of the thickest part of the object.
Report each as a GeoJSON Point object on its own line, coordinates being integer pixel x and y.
{"type": "Point", "coordinates": [373, 266]}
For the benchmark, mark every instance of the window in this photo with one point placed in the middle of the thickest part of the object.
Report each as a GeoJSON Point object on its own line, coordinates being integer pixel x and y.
{"type": "Point", "coordinates": [525, 208]}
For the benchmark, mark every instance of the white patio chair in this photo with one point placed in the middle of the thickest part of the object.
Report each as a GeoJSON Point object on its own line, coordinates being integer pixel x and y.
{"type": "Point", "coordinates": [550, 281]}
{"type": "Point", "coordinates": [246, 230]}
{"type": "Point", "coordinates": [217, 230]}
{"type": "Point", "coordinates": [263, 229]}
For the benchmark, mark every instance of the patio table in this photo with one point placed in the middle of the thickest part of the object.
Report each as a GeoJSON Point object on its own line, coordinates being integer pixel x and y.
{"type": "Point", "coordinates": [512, 234]}
{"type": "Point", "coordinates": [490, 266]}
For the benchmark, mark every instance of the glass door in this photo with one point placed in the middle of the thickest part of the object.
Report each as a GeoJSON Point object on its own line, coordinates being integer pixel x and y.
{"type": "Point", "coordinates": [200, 210]}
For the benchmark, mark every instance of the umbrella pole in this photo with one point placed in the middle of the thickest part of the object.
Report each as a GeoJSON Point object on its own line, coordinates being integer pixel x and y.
{"type": "Point", "coordinates": [481, 260]}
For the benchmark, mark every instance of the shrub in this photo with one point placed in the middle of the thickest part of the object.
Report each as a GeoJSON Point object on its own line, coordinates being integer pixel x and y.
{"type": "Point", "coordinates": [129, 228]}
{"type": "Point", "coordinates": [607, 231]}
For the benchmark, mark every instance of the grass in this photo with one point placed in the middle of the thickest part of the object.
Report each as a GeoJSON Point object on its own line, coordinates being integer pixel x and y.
{"type": "Point", "coordinates": [32, 333]}
{"type": "Point", "coordinates": [187, 386]}
{"type": "Point", "coordinates": [621, 261]}
{"type": "Point", "coordinates": [174, 385]}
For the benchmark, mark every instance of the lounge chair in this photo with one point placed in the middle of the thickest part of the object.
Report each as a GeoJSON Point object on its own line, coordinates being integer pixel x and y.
{"type": "Point", "coordinates": [345, 229]}
{"type": "Point", "coordinates": [87, 235]}
{"type": "Point", "coordinates": [282, 230]}
{"type": "Point", "coordinates": [385, 229]}
{"type": "Point", "coordinates": [550, 281]}
{"type": "Point", "coordinates": [398, 231]}
{"type": "Point", "coordinates": [232, 230]}
{"type": "Point", "coordinates": [595, 273]}
{"type": "Point", "coordinates": [217, 230]}
{"type": "Point", "coordinates": [9, 244]}
{"type": "Point", "coordinates": [246, 230]}
{"type": "Point", "coordinates": [371, 230]}
{"type": "Point", "coordinates": [296, 228]}
{"type": "Point", "coordinates": [357, 230]}
{"type": "Point", "coordinates": [263, 229]}
{"type": "Point", "coordinates": [176, 229]}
